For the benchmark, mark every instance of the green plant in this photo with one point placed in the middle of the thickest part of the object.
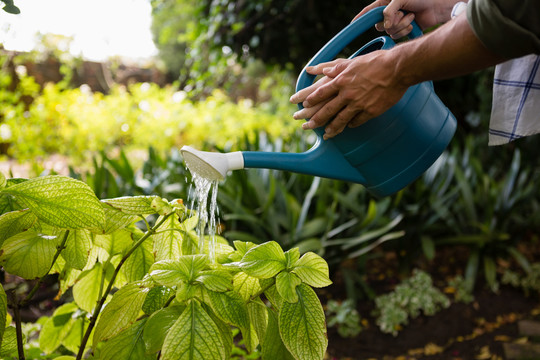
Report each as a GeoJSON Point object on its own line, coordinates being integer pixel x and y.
{"type": "Point", "coordinates": [344, 317]}
{"type": "Point", "coordinates": [10, 7]}
{"type": "Point", "coordinates": [461, 289]}
{"type": "Point", "coordinates": [530, 282]}
{"type": "Point", "coordinates": [413, 296]}
{"type": "Point", "coordinates": [143, 288]}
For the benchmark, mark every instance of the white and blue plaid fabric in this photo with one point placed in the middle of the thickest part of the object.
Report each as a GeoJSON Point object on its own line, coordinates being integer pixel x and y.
{"type": "Point", "coordinates": [515, 111]}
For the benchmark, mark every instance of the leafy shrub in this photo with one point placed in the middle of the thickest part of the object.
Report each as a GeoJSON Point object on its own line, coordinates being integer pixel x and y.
{"type": "Point", "coordinates": [410, 298]}
{"type": "Point", "coordinates": [461, 289]}
{"type": "Point", "coordinates": [344, 317]}
{"type": "Point", "coordinates": [528, 283]}
{"type": "Point", "coordinates": [143, 288]}
{"type": "Point", "coordinates": [79, 122]}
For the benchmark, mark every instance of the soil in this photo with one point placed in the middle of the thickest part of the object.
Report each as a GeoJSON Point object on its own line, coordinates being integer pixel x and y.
{"type": "Point", "coordinates": [476, 330]}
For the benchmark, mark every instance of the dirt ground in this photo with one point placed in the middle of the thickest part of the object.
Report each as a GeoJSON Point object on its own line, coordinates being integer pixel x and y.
{"type": "Point", "coordinates": [473, 331]}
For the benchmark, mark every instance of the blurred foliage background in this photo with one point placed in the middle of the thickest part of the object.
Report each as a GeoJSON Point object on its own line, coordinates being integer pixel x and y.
{"type": "Point", "coordinates": [230, 68]}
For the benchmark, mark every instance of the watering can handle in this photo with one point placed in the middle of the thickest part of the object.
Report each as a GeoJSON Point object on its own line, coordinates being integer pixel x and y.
{"type": "Point", "coordinates": [329, 51]}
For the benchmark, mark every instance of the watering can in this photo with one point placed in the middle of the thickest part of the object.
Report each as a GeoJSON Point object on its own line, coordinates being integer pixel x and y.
{"type": "Point", "coordinates": [385, 154]}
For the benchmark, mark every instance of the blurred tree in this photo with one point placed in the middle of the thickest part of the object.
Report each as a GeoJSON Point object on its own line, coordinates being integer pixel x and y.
{"type": "Point", "coordinates": [194, 36]}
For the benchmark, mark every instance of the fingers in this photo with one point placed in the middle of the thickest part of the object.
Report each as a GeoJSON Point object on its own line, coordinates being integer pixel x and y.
{"type": "Point", "coordinates": [324, 114]}
{"type": "Point", "coordinates": [338, 124]}
{"type": "Point", "coordinates": [301, 95]}
{"type": "Point", "coordinates": [308, 112]}
{"type": "Point", "coordinates": [396, 23]}
{"type": "Point", "coordinates": [318, 69]}
{"type": "Point", "coordinates": [371, 6]}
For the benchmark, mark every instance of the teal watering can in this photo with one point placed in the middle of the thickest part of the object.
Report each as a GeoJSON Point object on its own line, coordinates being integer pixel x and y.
{"type": "Point", "coordinates": [384, 154]}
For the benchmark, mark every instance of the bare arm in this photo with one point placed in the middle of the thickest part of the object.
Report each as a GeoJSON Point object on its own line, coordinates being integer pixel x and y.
{"type": "Point", "coordinates": [366, 86]}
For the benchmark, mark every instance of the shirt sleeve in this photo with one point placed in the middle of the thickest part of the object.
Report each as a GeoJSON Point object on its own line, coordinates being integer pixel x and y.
{"type": "Point", "coordinates": [508, 28]}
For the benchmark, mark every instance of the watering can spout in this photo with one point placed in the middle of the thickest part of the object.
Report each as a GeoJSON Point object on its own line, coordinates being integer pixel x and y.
{"type": "Point", "coordinates": [211, 165]}
{"type": "Point", "coordinates": [323, 159]}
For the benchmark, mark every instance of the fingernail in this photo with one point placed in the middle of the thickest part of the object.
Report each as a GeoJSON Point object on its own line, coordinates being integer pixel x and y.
{"type": "Point", "coordinates": [306, 126]}
{"type": "Point", "coordinates": [296, 115]}
{"type": "Point", "coordinates": [291, 99]}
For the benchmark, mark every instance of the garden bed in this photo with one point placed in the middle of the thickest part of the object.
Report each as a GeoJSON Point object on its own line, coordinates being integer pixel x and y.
{"type": "Point", "coordinates": [477, 330]}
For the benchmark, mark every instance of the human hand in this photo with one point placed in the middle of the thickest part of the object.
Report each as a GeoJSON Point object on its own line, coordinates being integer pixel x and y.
{"type": "Point", "coordinates": [398, 24]}
{"type": "Point", "coordinates": [354, 91]}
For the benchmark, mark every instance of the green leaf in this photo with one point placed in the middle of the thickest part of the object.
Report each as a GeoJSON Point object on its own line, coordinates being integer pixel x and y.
{"type": "Point", "coordinates": [11, 9]}
{"type": "Point", "coordinates": [3, 181]}
{"type": "Point", "coordinates": [243, 247]}
{"type": "Point", "coordinates": [258, 317]}
{"type": "Point", "coordinates": [127, 345]}
{"type": "Point", "coordinates": [86, 291]}
{"type": "Point", "coordinates": [28, 254]}
{"type": "Point", "coordinates": [272, 346]}
{"type": "Point", "coordinates": [57, 327]}
{"type": "Point", "coordinates": [292, 256]}
{"type": "Point", "coordinates": [60, 201]}
{"type": "Point", "coordinates": [185, 269]}
{"type": "Point", "coordinates": [194, 336]}
{"type": "Point", "coordinates": [273, 296]}
{"type": "Point", "coordinates": [78, 246]}
{"type": "Point", "coordinates": [246, 286]}
{"type": "Point", "coordinates": [115, 219]}
{"type": "Point", "coordinates": [490, 272]}
{"type": "Point", "coordinates": [3, 313]}
{"type": "Point", "coordinates": [115, 243]}
{"type": "Point", "coordinates": [15, 222]}
{"type": "Point", "coordinates": [133, 205]}
{"type": "Point", "coordinates": [286, 284]}
{"type": "Point", "coordinates": [9, 342]}
{"type": "Point", "coordinates": [230, 307]}
{"type": "Point", "coordinates": [168, 241]}
{"type": "Point", "coordinates": [139, 262]}
{"type": "Point", "coordinates": [157, 297]}
{"type": "Point", "coordinates": [158, 326]}
{"type": "Point", "coordinates": [264, 261]}
{"type": "Point", "coordinates": [428, 246]}
{"type": "Point", "coordinates": [216, 280]}
{"type": "Point", "coordinates": [72, 341]}
{"type": "Point", "coordinates": [313, 270]}
{"type": "Point", "coordinates": [122, 311]}
{"type": "Point", "coordinates": [302, 325]}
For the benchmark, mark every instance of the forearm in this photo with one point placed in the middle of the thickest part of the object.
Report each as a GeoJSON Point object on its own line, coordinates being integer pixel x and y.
{"type": "Point", "coordinates": [450, 51]}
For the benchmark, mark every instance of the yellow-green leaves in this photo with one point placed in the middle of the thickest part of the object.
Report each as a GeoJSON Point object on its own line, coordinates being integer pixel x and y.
{"type": "Point", "coordinates": [59, 201]}
{"type": "Point", "coordinates": [58, 327]}
{"type": "Point", "coordinates": [302, 325]}
{"type": "Point", "coordinates": [28, 254]}
{"type": "Point", "coordinates": [121, 312]}
{"type": "Point", "coordinates": [313, 270]}
{"type": "Point", "coordinates": [194, 336]}
{"type": "Point", "coordinates": [264, 261]}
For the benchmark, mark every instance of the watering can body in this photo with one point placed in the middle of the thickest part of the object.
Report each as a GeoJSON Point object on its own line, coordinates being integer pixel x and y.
{"type": "Point", "coordinates": [384, 154]}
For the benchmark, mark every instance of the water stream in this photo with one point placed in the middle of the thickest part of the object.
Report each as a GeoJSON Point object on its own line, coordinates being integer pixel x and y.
{"type": "Point", "coordinates": [198, 200]}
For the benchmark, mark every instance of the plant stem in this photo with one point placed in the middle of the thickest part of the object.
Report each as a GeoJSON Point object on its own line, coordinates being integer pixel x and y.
{"type": "Point", "coordinates": [18, 328]}
{"type": "Point", "coordinates": [32, 292]}
{"type": "Point", "coordinates": [101, 302]}
{"type": "Point", "coordinates": [16, 305]}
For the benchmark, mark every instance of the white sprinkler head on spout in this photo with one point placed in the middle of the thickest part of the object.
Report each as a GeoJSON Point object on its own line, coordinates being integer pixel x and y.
{"type": "Point", "coordinates": [212, 165]}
